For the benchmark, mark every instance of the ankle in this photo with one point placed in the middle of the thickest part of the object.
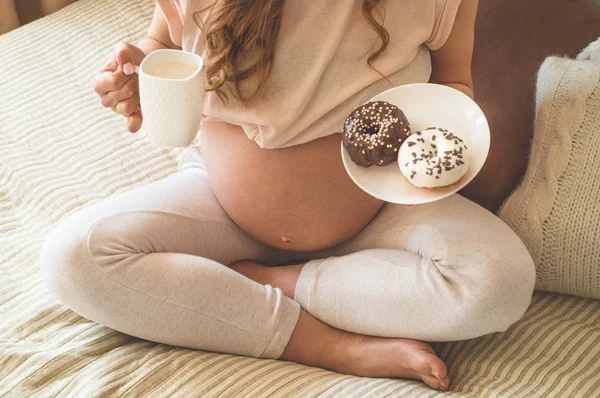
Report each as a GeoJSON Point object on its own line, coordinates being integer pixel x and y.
{"type": "Point", "coordinates": [285, 277]}
{"type": "Point", "coordinates": [253, 270]}
{"type": "Point", "coordinates": [316, 343]}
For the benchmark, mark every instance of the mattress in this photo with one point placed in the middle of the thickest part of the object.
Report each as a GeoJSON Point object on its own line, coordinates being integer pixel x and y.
{"type": "Point", "coordinates": [60, 151]}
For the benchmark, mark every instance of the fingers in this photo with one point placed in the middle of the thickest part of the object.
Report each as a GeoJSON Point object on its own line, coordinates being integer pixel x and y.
{"type": "Point", "coordinates": [111, 98]}
{"type": "Point", "coordinates": [134, 122]}
{"type": "Point", "coordinates": [127, 56]}
{"type": "Point", "coordinates": [117, 84]}
{"type": "Point", "coordinates": [106, 81]}
{"type": "Point", "coordinates": [111, 65]}
{"type": "Point", "coordinates": [119, 68]}
{"type": "Point", "coordinates": [129, 106]}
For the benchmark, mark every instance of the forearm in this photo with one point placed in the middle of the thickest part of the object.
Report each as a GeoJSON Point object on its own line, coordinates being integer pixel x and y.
{"type": "Point", "coordinates": [451, 64]}
{"type": "Point", "coordinates": [158, 36]}
{"type": "Point", "coordinates": [8, 16]}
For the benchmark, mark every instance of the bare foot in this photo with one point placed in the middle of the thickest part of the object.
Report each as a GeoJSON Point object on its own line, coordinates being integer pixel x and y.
{"type": "Point", "coordinates": [370, 356]}
{"type": "Point", "coordinates": [318, 344]}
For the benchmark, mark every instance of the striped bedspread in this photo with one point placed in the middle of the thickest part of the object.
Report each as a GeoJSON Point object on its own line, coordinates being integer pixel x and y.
{"type": "Point", "coordinates": [60, 150]}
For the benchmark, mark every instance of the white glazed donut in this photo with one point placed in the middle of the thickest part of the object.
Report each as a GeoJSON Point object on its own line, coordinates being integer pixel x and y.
{"type": "Point", "coordinates": [433, 158]}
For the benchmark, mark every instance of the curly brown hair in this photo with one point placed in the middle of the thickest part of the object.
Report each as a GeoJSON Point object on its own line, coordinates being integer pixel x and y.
{"type": "Point", "coordinates": [239, 40]}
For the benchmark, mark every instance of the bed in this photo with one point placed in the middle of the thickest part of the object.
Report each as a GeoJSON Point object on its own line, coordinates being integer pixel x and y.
{"type": "Point", "coordinates": [60, 151]}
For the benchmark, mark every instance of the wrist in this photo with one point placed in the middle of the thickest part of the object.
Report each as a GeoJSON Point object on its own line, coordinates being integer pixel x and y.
{"type": "Point", "coordinates": [464, 88]}
{"type": "Point", "coordinates": [148, 44]}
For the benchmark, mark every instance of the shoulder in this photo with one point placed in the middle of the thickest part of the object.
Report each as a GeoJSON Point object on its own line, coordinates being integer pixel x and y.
{"type": "Point", "coordinates": [443, 17]}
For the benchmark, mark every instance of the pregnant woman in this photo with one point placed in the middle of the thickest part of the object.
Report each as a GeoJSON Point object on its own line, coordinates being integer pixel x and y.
{"type": "Point", "coordinates": [261, 245]}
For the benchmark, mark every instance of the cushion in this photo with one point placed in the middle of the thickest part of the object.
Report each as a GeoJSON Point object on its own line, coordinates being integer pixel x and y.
{"type": "Point", "coordinates": [512, 39]}
{"type": "Point", "coordinates": [556, 210]}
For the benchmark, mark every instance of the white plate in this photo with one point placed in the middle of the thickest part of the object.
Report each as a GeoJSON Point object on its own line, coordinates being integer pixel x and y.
{"type": "Point", "coordinates": [426, 105]}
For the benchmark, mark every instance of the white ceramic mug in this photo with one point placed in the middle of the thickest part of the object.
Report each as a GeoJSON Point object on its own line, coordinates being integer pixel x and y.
{"type": "Point", "coordinates": [171, 96]}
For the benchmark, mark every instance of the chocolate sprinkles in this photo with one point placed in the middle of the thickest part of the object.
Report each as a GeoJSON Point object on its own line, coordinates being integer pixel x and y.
{"type": "Point", "coordinates": [440, 157]}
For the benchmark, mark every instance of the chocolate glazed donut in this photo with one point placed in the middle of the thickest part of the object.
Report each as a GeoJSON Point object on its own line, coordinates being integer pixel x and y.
{"type": "Point", "coordinates": [374, 132]}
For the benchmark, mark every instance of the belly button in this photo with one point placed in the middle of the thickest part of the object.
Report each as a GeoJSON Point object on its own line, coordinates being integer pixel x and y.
{"type": "Point", "coordinates": [286, 239]}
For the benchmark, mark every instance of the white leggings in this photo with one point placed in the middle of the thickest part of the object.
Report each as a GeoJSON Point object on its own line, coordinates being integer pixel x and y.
{"type": "Point", "coordinates": [151, 262]}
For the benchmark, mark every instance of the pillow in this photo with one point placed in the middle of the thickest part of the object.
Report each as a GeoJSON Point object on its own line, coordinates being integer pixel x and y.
{"type": "Point", "coordinates": [556, 208]}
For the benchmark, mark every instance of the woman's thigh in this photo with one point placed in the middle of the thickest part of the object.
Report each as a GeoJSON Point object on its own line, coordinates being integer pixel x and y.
{"type": "Point", "coordinates": [455, 232]}
{"type": "Point", "coordinates": [178, 214]}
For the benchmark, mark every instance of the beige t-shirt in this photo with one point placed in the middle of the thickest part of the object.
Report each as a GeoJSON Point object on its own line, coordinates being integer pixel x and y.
{"type": "Point", "coordinates": [320, 70]}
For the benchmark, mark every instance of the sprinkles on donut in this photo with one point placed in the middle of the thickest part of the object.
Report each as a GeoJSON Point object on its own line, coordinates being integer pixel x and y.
{"type": "Point", "coordinates": [374, 132]}
{"type": "Point", "coordinates": [433, 158]}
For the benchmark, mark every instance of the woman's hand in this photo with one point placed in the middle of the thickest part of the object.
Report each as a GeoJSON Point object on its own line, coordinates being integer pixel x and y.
{"type": "Point", "coordinates": [118, 86]}
{"type": "Point", "coordinates": [117, 83]}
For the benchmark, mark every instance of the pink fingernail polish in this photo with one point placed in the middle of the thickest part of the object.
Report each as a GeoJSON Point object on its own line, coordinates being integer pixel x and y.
{"type": "Point", "coordinates": [128, 69]}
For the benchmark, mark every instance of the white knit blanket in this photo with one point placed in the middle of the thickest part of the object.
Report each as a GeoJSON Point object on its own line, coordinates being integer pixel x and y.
{"type": "Point", "coordinates": [556, 209]}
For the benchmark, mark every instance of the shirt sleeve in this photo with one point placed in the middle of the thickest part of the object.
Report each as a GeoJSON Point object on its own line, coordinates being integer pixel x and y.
{"type": "Point", "coordinates": [444, 16]}
{"type": "Point", "coordinates": [174, 12]}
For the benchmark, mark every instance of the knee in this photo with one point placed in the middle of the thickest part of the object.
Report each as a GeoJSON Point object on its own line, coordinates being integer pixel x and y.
{"type": "Point", "coordinates": [64, 259]}
{"type": "Point", "coordinates": [499, 291]}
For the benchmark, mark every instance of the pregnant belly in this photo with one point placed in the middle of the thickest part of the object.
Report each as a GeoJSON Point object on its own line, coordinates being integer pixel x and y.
{"type": "Point", "coordinates": [298, 198]}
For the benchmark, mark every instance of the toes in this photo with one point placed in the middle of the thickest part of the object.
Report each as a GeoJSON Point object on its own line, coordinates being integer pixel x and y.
{"type": "Point", "coordinates": [432, 382]}
{"type": "Point", "coordinates": [437, 384]}
{"type": "Point", "coordinates": [438, 369]}
{"type": "Point", "coordinates": [433, 371]}
{"type": "Point", "coordinates": [445, 383]}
